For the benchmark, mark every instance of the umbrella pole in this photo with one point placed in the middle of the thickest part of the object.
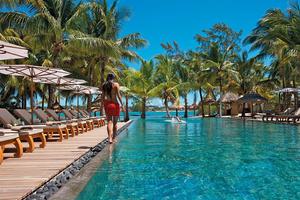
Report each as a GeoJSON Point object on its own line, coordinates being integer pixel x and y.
{"type": "Point", "coordinates": [78, 106]}
{"type": "Point", "coordinates": [31, 100]}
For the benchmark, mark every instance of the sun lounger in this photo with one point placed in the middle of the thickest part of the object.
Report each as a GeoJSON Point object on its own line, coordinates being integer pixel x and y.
{"type": "Point", "coordinates": [287, 117]}
{"type": "Point", "coordinates": [72, 126]}
{"type": "Point", "coordinates": [85, 124]}
{"type": "Point", "coordinates": [76, 115]}
{"type": "Point", "coordinates": [97, 121]}
{"type": "Point", "coordinates": [49, 129]}
{"type": "Point", "coordinates": [55, 116]}
{"type": "Point", "coordinates": [295, 118]}
{"type": "Point", "coordinates": [14, 139]}
{"type": "Point", "coordinates": [28, 135]}
{"type": "Point", "coordinates": [94, 120]}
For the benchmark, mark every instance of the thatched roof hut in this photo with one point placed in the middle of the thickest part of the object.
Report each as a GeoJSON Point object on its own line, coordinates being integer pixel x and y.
{"type": "Point", "coordinates": [229, 97]}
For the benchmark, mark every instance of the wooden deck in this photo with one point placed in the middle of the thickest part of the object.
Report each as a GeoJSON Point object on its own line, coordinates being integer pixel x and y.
{"type": "Point", "coordinates": [20, 176]}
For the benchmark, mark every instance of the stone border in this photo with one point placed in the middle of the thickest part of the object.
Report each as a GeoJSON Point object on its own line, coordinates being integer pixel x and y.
{"type": "Point", "coordinates": [55, 183]}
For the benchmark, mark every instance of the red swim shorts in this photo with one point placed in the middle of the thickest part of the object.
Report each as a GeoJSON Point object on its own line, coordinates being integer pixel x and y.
{"type": "Point", "coordinates": [111, 108]}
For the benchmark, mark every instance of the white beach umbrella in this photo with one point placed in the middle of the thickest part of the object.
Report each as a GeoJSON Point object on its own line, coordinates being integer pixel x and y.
{"type": "Point", "coordinates": [289, 90]}
{"type": "Point", "coordinates": [32, 72]}
{"type": "Point", "coordinates": [81, 89]}
{"type": "Point", "coordinates": [59, 81]}
{"type": "Point", "coordinates": [10, 51]}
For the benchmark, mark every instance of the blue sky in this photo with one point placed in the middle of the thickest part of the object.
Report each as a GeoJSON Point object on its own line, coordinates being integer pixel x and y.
{"type": "Point", "coordinates": [168, 20]}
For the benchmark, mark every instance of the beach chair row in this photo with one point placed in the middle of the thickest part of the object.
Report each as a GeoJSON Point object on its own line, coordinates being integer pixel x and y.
{"type": "Point", "coordinates": [47, 125]}
{"type": "Point", "coordinates": [288, 116]}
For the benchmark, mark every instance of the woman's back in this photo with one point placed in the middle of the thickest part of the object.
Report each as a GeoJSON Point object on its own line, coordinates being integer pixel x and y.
{"type": "Point", "coordinates": [111, 94]}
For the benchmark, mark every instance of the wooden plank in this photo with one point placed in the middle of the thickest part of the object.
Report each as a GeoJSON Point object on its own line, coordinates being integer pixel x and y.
{"type": "Point", "coordinates": [19, 176]}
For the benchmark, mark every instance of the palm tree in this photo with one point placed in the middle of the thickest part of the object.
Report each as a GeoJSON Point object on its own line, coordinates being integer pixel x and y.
{"type": "Point", "coordinates": [167, 81]}
{"type": "Point", "coordinates": [100, 40]}
{"type": "Point", "coordinates": [220, 67]}
{"type": "Point", "coordinates": [49, 26]}
{"type": "Point", "coordinates": [253, 76]}
{"type": "Point", "coordinates": [199, 78]}
{"type": "Point", "coordinates": [277, 37]}
{"type": "Point", "coordinates": [143, 83]}
{"type": "Point", "coordinates": [184, 74]}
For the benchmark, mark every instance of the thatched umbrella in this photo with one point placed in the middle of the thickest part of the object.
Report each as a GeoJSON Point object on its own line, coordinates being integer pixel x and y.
{"type": "Point", "coordinates": [252, 98]}
{"type": "Point", "coordinates": [209, 99]}
{"type": "Point", "coordinates": [229, 97]}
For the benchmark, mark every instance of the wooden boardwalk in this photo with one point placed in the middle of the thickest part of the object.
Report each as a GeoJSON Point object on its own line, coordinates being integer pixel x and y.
{"type": "Point", "coordinates": [20, 176]}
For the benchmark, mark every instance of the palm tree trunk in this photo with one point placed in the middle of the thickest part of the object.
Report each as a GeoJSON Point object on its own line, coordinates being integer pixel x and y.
{"type": "Point", "coordinates": [51, 98]}
{"type": "Point", "coordinates": [89, 102]}
{"type": "Point", "coordinates": [126, 109]}
{"type": "Point", "coordinates": [221, 93]}
{"type": "Point", "coordinates": [102, 79]}
{"type": "Point", "coordinates": [202, 105]}
{"type": "Point", "coordinates": [143, 116]}
{"type": "Point", "coordinates": [66, 102]}
{"type": "Point", "coordinates": [166, 106]}
{"type": "Point", "coordinates": [43, 102]}
{"type": "Point", "coordinates": [185, 106]}
{"type": "Point", "coordinates": [24, 101]}
{"type": "Point", "coordinates": [90, 78]}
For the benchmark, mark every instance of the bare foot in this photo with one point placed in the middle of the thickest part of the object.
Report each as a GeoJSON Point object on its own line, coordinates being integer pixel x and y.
{"type": "Point", "coordinates": [110, 140]}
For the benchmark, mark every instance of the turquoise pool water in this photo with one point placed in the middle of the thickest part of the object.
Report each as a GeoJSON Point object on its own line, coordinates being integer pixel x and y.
{"type": "Point", "coordinates": [204, 159]}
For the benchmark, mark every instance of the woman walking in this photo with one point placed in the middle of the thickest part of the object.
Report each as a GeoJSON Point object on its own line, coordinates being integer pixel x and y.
{"type": "Point", "coordinates": [111, 99]}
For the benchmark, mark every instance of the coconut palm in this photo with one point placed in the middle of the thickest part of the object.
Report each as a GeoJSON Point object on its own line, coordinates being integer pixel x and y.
{"type": "Point", "coordinates": [221, 69]}
{"type": "Point", "coordinates": [199, 77]}
{"type": "Point", "coordinates": [143, 83]}
{"type": "Point", "coordinates": [277, 36]}
{"type": "Point", "coordinates": [100, 40]}
{"type": "Point", "coordinates": [49, 26]}
{"type": "Point", "coordinates": [184, 74]}
{"type": "Point", "coordinates": [253, 76]}
{"type": "Point", "coordinates": [167, 81]}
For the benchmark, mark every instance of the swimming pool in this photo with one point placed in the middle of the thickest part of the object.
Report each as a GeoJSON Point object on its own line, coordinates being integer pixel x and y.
{"type": "Point", "coordinates": [204, 159]}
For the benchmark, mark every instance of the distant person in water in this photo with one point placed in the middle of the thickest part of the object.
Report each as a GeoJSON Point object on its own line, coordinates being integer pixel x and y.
{"type": "Point", "coordinates": [178, 119]}
{"type": "Point", "coordinates": [111, 99]}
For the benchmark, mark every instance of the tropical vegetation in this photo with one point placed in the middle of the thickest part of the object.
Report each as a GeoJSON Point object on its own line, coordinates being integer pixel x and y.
{"type": "Point", "coordinates": [84, 38]}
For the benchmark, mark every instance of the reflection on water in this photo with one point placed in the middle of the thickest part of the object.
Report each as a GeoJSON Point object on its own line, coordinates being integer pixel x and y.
{"type": "Point", "coordinates": [204, 159]}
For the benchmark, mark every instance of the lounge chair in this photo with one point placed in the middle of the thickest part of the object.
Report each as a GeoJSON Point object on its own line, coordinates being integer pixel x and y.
{"type": "Point", "coordinates": [289, 117]}
{"type": "Point", "coordinates": [72, 126]}
{"type": "Point", "coordinates": [14, 139]}
{"type": "Point", "coordinates": [76, 115]}
{"type": "Point", "coordinates": [94, 120]}
{"type": "Point", "coordinates": [97, 121]}
{"type": "Point", "coordinates": [294, 118]}
{"type": "Point", "coordinates": [56, 117]}
{"type": "Point", "coordinates": [282, 117]}
{"type": "Point", "coordinates": [48, 129]}
{"type": "Point", "coordinates": [25, 133]}
{"type": "Point", "coordinates": [86, 124]}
